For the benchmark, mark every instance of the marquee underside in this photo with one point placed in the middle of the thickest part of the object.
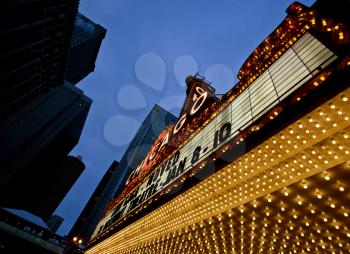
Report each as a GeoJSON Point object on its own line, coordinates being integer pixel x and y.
{"type": "Point", "coordinates": [290, 194]}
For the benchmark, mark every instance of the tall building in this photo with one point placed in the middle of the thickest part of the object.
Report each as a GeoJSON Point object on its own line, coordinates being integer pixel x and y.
{"type": "Point", "coordinates": [82, 228]}
{"type": "Point", "coordinates": [41, 114]}
{"type": "Point", "coordinates": [54, 222]}
{"type": "Point", "coordinates": [264, 169]}
{"type": "Point", "coordinates": [150, 128]}
{"type": "Point", "coordinates": [35, 141]}
{"type": "Point", "coordinates": [35, 39]}
{"type": "Point", "coordinates": [56, 184]}
{"type": "Point", "coordinates": [85, 44]}
{"type": "Point", "coordinates": [138, 148]}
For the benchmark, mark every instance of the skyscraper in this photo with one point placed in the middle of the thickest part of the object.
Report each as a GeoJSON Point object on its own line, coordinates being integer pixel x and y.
{"type": "Point", "coordinates": [54, 222]}
{"type": "Point", "coordinates": [264, 169]}
{"type": "Point", "coordinates": [149, 130]}
{"type": "Point", "coordinates": [154, 123]}
{"type": "Point", "coordinates": [51, 186]}
{"type": "Point", "coordinates": [41, 114]}
{"type": "Point", "coordinates": [82, 227]}
{"type": "Point", "coordinates": [35, 140]}
{"type": "Point", "coordinates": [35, 39]}
{"type": "Point", "coordinates": [84, 46]}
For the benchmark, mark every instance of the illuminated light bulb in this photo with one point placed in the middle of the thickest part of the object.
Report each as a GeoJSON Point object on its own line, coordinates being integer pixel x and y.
{"type": "Point", "coordinates": [341, 188]}
{"type": "Point", "coordinates": [341, 36]}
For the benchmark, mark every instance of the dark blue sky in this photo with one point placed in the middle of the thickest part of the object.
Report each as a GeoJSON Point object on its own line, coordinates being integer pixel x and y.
{"type": "Point", "coordinates": [149, 48]}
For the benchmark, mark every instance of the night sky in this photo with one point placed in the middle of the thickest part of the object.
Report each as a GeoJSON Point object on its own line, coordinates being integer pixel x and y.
{"type": "Point", "coordinates": [149, 49]}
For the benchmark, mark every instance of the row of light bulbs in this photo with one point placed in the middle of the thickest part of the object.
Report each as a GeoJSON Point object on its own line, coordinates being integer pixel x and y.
{"type": "Point", "coordinates": [228, 187]}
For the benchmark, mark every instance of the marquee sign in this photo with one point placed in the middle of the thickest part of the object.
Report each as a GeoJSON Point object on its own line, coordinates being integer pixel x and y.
{"type": "Point", "coordinates": [300, 62]}
{"type": "Point", "coordinates": [199, 95]}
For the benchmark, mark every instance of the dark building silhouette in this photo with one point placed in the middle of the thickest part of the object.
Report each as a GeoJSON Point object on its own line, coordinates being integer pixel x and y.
{"type": "Point", "coordinates": [85, 44]}
{"type": "Point", "coordinates": [150, 128]}
{"type": "Point", "coordinates": [41, 114]}
{"type": "Point", "coordinates": [35, 38]}
{"type": "Point", "coordinates": [35, 142]}
{"type": "Point", "coordinates": [54, 222]}
{"type": "Point", "coordinates": [58, 181]}
{"type": "Point", "coordinates": [81, 227]}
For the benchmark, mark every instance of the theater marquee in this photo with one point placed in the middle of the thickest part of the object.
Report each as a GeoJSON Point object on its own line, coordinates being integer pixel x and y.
{"type": "Point", "coordinates": [299, 63]}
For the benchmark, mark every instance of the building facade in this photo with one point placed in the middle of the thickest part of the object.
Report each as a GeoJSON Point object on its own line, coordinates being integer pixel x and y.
{"type": "Point", "coordinates": [264, 169]}
{"type": "Point", "coordinates": [54, 222]}
{"type": "Point", "coordinates": [35, 39]}
{"type": "Point", "coordinates": [84, 46]}
{"type": "Point", "coordinates": [38, 138]}
{"type": "Point", "coordinates": [82, 228]}
{"type": "Point", "coordinates": [58, 181]}
{"type": "Point", "coordinates": [150, 128]}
